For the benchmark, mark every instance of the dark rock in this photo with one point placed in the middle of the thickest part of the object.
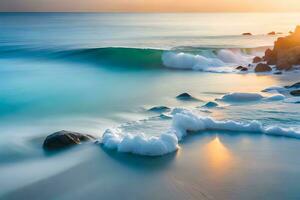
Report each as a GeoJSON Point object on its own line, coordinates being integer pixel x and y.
{"type": "Point", "coordinates": [262, 68]}
{"type": "Point", "coordinates": [296, 85]}
{"type": "Point", "coordinates": [295, 93]}
{"type": "Point", "coordinates": [247, 34]}
{"type": "Point", "coordinates": [160, 109]}
{"type": "Point", "coordinates": [64, 139]}
{"type": "Point", "coordinates": [210, 104]}
{"type": "Point", "coordinates": [277, 73]}
{"type": "Point", "coordinates": [257, 59]}
{"type": "Point", "coordinates": [241, 68]}
{"type": "Point", "coordinates": [272, 33]}
{"type": "Point", "coordinates": [185, 96]}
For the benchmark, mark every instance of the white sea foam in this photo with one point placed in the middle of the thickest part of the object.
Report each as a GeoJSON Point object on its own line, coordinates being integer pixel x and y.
{"type": "Point", "coordinates": [184, 121]}
{"type": "Point", "coordinates": [283, 94]}
{"type": "Point", "coordinates": [225, 60]}
{"type": "Point", "coordinates": [234, 57]}
{"type": "Point", "coordinates": [189, 61]}
{"type": "Point", "coordinates": [140, 143]}
{"type": "Point", "coordinates": [280, 89]}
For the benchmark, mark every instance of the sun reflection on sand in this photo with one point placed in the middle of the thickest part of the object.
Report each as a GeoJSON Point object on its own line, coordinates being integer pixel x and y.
{"type": "Point", "coordinates": [219, 158]}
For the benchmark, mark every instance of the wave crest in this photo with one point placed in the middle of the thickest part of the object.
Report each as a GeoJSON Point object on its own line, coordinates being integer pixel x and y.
{"type": "Point", "coordinates": [223, 60]}
{"type": "Point", "coordinates": [201, 59]}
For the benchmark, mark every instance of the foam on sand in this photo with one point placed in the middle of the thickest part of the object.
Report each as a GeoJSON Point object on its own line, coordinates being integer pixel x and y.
{"type": "Point", "coordinates": [283, 93]}
{"type": "Point", "coordinates": [184, 121]}
{"type": "Point", "coordinates": [140, 144]}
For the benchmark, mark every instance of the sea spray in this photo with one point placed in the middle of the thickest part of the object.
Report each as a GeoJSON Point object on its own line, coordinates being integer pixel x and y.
{"type": "Point", "coordinates": [222, 60]}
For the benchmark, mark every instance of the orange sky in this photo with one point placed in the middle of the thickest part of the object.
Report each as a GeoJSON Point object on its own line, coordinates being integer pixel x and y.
{"type": "Point", "coordinates": [152, 5]}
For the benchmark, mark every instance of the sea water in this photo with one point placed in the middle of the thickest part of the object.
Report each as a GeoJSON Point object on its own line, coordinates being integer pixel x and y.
{"type": "Point", "coordinates": [94, 73]}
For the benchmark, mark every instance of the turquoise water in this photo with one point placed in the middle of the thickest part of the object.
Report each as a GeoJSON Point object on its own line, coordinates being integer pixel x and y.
{"type": "Point", "coordinates": [59, 71]}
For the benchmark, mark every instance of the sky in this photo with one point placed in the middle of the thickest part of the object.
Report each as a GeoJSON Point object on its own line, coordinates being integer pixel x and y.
{"type": "Point", "coordinates": [152, 5]}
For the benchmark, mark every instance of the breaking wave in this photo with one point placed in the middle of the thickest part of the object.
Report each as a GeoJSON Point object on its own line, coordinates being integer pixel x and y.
{"type": "Point", "coordinates": [201, 59]}
{"type": "Point", "coordinates": [183, 122]}
{"type": "Point", "coordinates": [223, 60]}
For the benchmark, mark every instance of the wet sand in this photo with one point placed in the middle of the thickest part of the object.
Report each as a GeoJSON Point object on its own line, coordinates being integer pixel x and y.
{"type": "Point", "coordinates": [208, 166]}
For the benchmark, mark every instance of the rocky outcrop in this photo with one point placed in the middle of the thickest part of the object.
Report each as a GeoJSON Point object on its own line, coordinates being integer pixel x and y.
{"type": "Point", "coordinates": [257, 59]}
{"type": "Point", "coordinates": [262, 68]}
{"type": "Point", "coordinates": [270, 57]}
{"type": "Point", "coordinates": [64, 139]}
{"type": "Point", "coordinates": [247, 34]}
{"type": "Point", "coordinates": [286, 51]}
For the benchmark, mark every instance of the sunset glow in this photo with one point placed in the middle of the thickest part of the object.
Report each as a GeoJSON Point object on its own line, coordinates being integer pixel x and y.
{"type": "Point", "coordinates": [152, 6]}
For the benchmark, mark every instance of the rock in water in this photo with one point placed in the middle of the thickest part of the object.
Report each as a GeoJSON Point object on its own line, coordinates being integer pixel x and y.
{"type": "Point", "coordinates": [296, 86]}
{"type": "Point", "coordinates": [247, 34]}
{"type": "Point", "coordinates": [241, 68]}
{"type": "Point", "coordinates": [185, 96]}
{"type": "Point", "coordinates": [210, 104]}
{"type": "Point", "coordinates": [295, 93]}
{"type": "Point", "coordinates": [272, 33]}
{"type": "Point", "coordinates": [63, 139]}
{"type": "Point", "coordinates": [286, 51]}
{"type": "Point", "coordinates": [262, 68]}
{"type": "Point", "coordinates": [257, 59]}
{"type": "Point", "coordinates": [160, 109]}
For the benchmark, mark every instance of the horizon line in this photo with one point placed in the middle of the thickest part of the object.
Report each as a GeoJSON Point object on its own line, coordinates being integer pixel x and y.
{"type": "Point", "coordinates": [146, 12]}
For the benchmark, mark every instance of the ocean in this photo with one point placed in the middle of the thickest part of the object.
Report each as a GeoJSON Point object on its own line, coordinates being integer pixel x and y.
{"type": "Point", "coordinates": [100, 73]}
